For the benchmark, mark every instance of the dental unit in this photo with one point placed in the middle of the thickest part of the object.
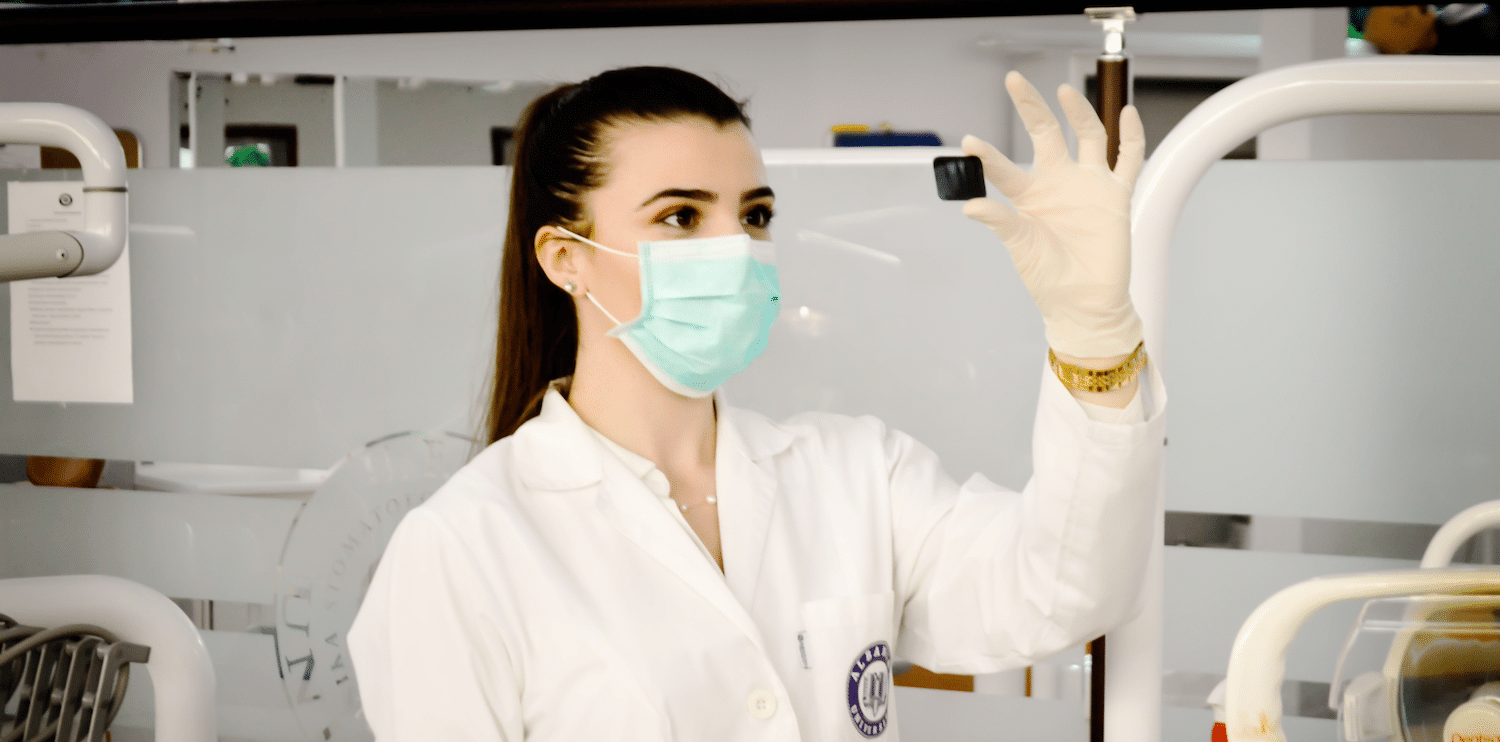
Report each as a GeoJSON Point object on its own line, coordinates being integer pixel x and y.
{"type": "Point", "coordinates": [69, 252]}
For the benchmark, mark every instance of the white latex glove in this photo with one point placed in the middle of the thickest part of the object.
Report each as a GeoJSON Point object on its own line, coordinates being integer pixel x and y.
{"type": "Point", "coordinates": [1068, 226]}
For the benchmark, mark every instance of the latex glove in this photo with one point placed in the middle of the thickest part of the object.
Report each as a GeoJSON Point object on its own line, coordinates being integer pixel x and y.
{"type": "Point", "coordinates": [1068, 225]}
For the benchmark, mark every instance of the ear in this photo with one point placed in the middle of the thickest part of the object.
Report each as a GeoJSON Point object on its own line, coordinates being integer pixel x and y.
{"type": "Point", "coordinates": [557, 254]}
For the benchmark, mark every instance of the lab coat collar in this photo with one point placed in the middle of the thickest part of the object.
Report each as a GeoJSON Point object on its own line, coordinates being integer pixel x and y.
{"type": "Point", "coordinates": [755, 434]}
{"type": "Point", "coordinates": [555, 451]}
{"type": "Point", "coordinates": [746, 486]}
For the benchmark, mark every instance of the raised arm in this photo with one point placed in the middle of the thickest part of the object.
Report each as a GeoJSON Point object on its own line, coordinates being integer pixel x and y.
{"type": "Point", "coordinates": [1068, 231]}
{"type": "Point", "coordinates": [990, 578]}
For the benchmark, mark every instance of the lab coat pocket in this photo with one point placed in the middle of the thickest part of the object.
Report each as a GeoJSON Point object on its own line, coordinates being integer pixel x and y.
{"type": "Point", "coordinates": [847, 642]}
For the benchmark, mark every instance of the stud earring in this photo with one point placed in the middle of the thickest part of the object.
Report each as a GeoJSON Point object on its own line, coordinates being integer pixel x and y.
{"type": "Point", "coordinates": [570, 287]}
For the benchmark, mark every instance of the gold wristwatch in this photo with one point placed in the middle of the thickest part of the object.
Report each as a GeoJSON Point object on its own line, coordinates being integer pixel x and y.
{"type": "Point", "coordinates": [1083, 379]}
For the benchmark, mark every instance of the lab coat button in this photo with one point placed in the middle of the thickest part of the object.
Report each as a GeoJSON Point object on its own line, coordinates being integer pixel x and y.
{"type": "Point", "coordinates": [762, 704]}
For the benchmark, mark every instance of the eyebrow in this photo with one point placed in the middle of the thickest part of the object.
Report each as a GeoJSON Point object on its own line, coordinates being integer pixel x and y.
{"type": "Point", "coordinates": [698, 194]}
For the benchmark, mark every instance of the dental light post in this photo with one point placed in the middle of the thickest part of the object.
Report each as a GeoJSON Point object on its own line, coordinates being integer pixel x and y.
{"type": "Point", "coordinates": [1111, 96]}
{"type": "Point", "coordinates": [1113, 73]}
{"type": "Point", "coordinates": [70, 252]}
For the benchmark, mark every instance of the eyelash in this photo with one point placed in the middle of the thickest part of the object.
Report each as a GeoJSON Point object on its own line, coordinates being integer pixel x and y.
{"type": "Point", "coordinates": [765, 212]}
{"type": "Point", "coordinates": [760, 212]}
{"type": "Point", "coordinates": [690, 212]}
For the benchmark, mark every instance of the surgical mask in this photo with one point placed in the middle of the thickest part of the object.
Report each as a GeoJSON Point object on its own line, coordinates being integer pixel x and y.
{"type": "Point", "coordinates": [707, 305]}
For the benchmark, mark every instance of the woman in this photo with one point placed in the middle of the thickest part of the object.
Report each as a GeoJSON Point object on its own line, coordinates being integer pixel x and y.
{"type": "Point", "coordinates": [632, 559]}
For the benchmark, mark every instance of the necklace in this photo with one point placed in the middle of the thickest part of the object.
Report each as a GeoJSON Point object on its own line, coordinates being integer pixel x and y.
{"type": "Point", "coordinates": [710, 501]}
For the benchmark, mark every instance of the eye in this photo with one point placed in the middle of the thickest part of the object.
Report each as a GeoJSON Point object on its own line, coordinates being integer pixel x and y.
{"type": "Point", "coordinates": [759, 216]}
{"type": "Point", "coordinates": [682, 218]}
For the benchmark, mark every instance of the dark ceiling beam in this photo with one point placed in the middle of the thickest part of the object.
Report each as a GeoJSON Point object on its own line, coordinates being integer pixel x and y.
{"type": "Point", "coordinates": [56, 22]}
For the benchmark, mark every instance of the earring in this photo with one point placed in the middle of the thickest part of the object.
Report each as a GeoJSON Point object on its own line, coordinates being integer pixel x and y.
{"type": "Point", "coordinates": [570, 287]}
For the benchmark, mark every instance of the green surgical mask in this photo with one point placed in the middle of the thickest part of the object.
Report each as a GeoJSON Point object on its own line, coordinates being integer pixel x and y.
{"type": "Point", "coordinates": [707, 305]}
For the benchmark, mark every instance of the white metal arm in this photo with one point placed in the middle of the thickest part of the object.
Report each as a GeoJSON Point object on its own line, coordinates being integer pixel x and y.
{"type": "Point", "coordinates": [1457, 530]}
{"type": "Point", "coordinates": [1252, 704]}
{"type": "Point", "coordinates": [69, 253]}
{"type": "Point", "coordinates": [1254, 104]}
{"type": "Point", "coordinates": [1234, 114]}
{"type": "Point", "coordinates": [182, 674]}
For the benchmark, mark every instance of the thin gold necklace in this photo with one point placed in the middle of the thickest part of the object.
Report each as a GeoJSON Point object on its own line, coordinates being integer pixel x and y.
{"type": "Point", "coordinates": [712, 500]}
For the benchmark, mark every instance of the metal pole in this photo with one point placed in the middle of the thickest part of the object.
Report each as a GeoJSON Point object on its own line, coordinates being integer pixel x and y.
{"type": "Point", "coordinates": [1112, 94]}
{"type": "Point", "coordinates": [1113, 71]}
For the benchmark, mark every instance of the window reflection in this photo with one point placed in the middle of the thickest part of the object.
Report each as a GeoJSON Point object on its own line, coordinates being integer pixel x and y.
{"type": "Point", "coordinates": [310, 120]}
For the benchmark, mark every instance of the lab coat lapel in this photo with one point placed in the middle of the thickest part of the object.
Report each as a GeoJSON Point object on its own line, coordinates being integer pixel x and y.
{"type": "Point", "coordinates": [630, 507]}
{"type": "Point", "coordinates": [556, 451]}
{"type": "Point", "coordinates": [747, 494]}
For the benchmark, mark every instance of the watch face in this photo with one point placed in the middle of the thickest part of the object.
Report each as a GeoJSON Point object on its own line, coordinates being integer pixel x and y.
{"type": "Point", "coordinates": [331, 554]}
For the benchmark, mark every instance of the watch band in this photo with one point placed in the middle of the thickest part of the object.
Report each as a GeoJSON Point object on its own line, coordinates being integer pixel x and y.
{"type": "Point", "coordinates": [1083, 379]}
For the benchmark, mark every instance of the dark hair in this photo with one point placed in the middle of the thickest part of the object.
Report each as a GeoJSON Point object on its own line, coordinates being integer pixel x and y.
{"type": "Point", "coordinates": [561, 154]}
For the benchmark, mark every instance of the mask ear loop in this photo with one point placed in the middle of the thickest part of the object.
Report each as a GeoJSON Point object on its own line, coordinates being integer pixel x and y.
{"type": "Point", "coordinates": [589, 294]}
{"type": "Point", "coordinates": [588, 241]}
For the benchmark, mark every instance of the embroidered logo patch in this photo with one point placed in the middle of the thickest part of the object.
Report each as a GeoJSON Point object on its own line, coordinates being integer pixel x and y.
{"type": "Point", "coordinates": [869, 687]}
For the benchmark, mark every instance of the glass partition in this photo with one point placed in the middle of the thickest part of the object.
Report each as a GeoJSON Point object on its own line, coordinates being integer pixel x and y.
{"type": "Point", "coordinates": [1322, 339]}
{"type": "Point", "coordinates": [309, 120]}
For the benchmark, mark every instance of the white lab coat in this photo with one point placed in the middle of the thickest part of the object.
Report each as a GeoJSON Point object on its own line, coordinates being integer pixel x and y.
{"type": "Point", "coordinates": [544, 593]}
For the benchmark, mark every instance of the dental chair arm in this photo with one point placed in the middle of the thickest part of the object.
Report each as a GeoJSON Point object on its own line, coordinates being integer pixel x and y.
{"type": "Point", "coordinates": [1257, 664]}
{"type": "Point", "coordinates": [70, 252]}
{"type": "Point", "coordinates": [182, 674]}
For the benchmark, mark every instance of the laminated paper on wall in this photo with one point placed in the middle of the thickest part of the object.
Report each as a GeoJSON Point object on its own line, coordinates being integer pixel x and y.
{"type": "Point", "coordinates": [69, 337]}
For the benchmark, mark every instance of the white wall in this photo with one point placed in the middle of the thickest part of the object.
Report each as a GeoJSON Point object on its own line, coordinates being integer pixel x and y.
{"type": "Point", "coordinates": [435, 123]}
{"type": "Point", "coordinates": [1408, 137]}
{"type": "Point", "coordinates": [443, 123]}
{"type": "Point", "coordinates": [307, 107]}
{"type": "Point", "coordinates": [1291, 36]}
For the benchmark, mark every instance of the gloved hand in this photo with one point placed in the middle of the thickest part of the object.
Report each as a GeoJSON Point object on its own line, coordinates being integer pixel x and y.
{"type": "Point", "coordinates": [1068, 226]}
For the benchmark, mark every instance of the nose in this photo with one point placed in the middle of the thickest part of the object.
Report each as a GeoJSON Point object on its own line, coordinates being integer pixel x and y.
{"type": "Point", "coordinates": [725, 222]}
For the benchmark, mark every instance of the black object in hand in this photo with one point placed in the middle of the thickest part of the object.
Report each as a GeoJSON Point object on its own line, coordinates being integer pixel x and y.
{"type": "Point", "coordinates": [958, 178]}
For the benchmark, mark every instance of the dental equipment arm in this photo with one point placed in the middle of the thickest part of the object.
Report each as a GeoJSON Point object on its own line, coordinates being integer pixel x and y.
{"type": "Point", "coordinates": [1457, 530]}
{"type": "Point", "coordinates": [1252, 704]}
{"type": "Point", "coordinates": [70, 252]}
{"type": "Point", "coordinates": [182, 673]}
